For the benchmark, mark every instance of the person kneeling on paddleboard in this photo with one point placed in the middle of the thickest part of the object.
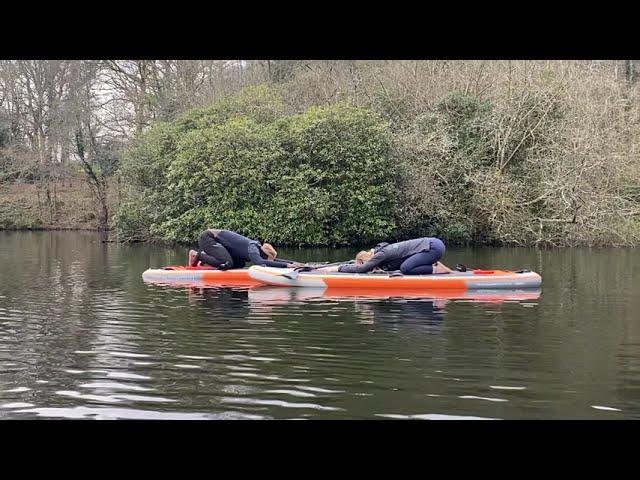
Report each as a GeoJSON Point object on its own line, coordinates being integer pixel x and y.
{"type": "Point", "coordinates": [225, 249]}
{"type": "Point", "coordinates": [420, 256]}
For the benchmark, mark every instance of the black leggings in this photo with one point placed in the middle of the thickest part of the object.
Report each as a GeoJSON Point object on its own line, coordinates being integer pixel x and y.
{"type": "Point", "coordinates": [211, 252]}
{"type": "Point", "coordinates": [422, 263]}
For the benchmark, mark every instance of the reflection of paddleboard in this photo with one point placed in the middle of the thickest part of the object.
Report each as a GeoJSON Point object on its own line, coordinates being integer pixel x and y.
{"type": "Point", "coordinates": [279, 295]}
{"type": "Point", "coordinates": [472, 279]}
{"type": "Point", "coordinates": [198, 276]}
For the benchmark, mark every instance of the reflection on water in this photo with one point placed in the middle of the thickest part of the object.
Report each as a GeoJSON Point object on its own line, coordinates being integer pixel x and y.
{"type": "Point", "coordinates": [82, 336]}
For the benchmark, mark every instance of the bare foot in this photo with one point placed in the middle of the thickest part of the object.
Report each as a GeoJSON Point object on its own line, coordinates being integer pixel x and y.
{"type": "Point", "coordinates": [447, 269]}
{"type": "Point", "coordinates": [193, 258]}
{"type": "Point", "coordinates": [440, 267]}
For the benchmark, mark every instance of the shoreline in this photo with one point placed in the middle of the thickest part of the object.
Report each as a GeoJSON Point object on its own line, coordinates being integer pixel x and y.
{"type": "Point", "coordinates": [76, 210]}
{"type": "Point", "coordinates": [287, 246]}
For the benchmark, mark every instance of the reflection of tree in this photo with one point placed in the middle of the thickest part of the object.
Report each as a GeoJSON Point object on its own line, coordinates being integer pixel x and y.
{"type": "Point", "coordinates": [70, 301]}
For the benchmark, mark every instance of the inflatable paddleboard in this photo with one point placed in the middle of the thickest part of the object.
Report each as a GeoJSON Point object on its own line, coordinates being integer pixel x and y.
{"type": "Point", "coordinates": [181, 275]}
{"type": "Point", "coordinates": [471, 279]}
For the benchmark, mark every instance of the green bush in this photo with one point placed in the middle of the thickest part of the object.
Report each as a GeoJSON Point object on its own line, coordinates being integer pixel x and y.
{"type": "Point", "coordinates": [463, 164]}
{"type": "Point", "coordinates": [323, 177]}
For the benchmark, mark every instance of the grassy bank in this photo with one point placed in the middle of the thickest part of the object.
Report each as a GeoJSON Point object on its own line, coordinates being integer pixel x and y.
{"type": "Point", "coordinates": [25, 207]}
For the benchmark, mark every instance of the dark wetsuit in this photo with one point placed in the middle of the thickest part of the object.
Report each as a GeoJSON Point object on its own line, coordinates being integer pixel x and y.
{"type": "Point", "coordinates": [233, 250]}
{"type": "Point", "coordinates": [411, 257]}
{"type": "Point", "coordinates": [213, 253]}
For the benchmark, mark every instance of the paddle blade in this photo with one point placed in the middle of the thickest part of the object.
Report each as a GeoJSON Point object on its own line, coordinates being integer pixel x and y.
{"type": "Point", "coordinates": [291, 275]}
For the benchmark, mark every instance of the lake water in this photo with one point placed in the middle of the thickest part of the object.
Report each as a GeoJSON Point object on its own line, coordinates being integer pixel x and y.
{"type": "Point", "coordinates": [82, 336]}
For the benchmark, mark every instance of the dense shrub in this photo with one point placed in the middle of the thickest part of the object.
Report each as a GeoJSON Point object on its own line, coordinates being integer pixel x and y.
{"type": "Point", "coordinates": [322, 177]}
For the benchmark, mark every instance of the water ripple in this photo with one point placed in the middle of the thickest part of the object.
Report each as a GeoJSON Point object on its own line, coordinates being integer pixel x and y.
{"type": "Point", "coordinates": [433, 416]}
{"type": "Point", "coordinates": [278, 403]}
{"type": "Point", "coordinates": [135, 414]}
{"type": "Point", "coordinates": [97, 342]}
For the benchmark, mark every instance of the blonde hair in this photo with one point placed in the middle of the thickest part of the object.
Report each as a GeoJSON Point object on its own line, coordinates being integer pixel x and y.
{"type": "Point", "coordinates": [364, 256]}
